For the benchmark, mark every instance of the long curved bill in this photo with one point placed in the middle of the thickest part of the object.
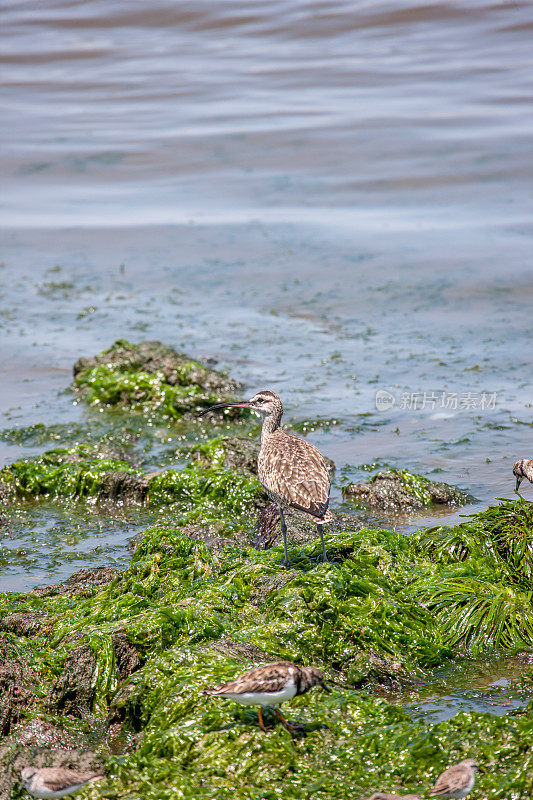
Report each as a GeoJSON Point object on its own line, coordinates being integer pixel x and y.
{"type": "Point", "coordinates": [244, 404]}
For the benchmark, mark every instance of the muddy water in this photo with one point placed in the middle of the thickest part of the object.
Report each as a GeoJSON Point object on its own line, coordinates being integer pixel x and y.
{"type": "Point", "coordinates": [332, 199]}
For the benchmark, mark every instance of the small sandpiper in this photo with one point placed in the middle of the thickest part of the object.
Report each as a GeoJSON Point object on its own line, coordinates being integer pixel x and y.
{"type": "Point", "coordinates": [456, 781]}
{"type": "Point", "coordinates": [270, 685]}
{"type": "Point", "coordinates": [388, 796]}
{"type": "Point", "coordinates": [523, 468]}
{"type": "Point", "coordinates": [55, 781]}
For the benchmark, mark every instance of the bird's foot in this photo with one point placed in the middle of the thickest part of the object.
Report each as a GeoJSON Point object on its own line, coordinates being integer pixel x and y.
{"type": "Point", "coordinates": [291, 726]}
{"type": "Point", "coordinates": [261, 720]}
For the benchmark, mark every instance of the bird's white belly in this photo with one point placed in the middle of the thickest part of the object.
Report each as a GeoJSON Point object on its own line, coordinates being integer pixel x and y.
{"type": "Point", "coordinates": [44, 792]}
{"type": "Point", "coordinates": [263, 698]}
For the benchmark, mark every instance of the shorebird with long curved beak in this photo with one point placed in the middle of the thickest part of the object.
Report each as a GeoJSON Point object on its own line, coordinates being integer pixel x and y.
{"type": "Point", "coordinates": [292, 471]}
{"type": "Point", "coordinates": [523, 468]}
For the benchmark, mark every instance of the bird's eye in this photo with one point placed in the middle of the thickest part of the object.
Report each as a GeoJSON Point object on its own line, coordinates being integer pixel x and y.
{"type": "Point", "coordinates": [260, 400]}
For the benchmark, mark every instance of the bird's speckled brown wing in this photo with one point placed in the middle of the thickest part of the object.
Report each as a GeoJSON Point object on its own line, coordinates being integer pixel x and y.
{"type": "Point", "coordinates": [58, 779]}
{"type": "Point", "coordinates": [452, 780]}
{"type": "Point", "coordinates": [270, 678]}
{"type": "Point", "coordinates": [294, 471]}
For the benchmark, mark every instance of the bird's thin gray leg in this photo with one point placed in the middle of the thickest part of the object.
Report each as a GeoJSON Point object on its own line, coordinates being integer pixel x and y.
{"type": "Point", "coordinates": [320, 527]}
{"type": "Point", "coordinates": [286, 562]}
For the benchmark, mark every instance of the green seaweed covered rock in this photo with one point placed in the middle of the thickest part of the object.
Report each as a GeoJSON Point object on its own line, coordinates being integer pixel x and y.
{"type": "Point", "coordinates": [484, 581]}
{"type": "Point", "coordinates": [77, 472]}
{"type": "Point", "coordinates": [401, 490]}
{"type": "Point", "coordinates": [123, 667]}
{"type": "Point", "coordinates": [149, 377]}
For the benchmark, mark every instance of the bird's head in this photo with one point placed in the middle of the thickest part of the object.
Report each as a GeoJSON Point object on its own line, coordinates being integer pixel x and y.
{"type": "Point", "coordinates": [314, 677]}
{"type": "Point", "coordinates": [27, 774]}
{"type": "Point", "coordinates": [264, 403]}
{"type": "Point", "coordinates": [472, 763]}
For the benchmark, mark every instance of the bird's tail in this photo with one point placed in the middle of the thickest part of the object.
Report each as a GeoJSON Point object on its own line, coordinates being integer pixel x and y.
{"type": "Point", "coordinates": [212, 690]}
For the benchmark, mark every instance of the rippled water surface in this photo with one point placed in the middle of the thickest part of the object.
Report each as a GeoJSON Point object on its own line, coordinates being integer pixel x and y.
{"type": "Point", "coordinates": [332, 199]}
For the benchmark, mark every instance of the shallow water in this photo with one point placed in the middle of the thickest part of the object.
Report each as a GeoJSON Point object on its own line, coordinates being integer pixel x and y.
{"type": "Point", "coordinates": [331, 199]}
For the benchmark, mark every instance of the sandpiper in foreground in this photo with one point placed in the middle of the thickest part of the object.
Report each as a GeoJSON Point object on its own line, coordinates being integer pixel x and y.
{"type": "Point", "coordinates": [523, 468]}
{"type": "Point", "coordinates": [457, 781]}
{"type": "Point", "coordinates": [270, 685]}
{"type": "Point", "coordinates": [55, 781]}
{"type": "Point", "coordinates": [292, 471]}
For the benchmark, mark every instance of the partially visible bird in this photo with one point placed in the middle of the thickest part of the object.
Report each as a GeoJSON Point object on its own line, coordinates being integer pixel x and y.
{"type": "Point", "coordinates": [293, 472]}
{"type": "Point", "coordinates": [457, 781]}
{"type": "Point", "coordinates": [388, 796]}
{"type": "Point", "coordinates": [55, 781]}
{"type": "Point", "coordinates": [270, 685]}
{"type": "Point", "coordinates": [523, 468]}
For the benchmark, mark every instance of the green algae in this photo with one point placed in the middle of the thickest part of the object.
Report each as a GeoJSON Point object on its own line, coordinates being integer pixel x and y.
{"type": "Point", "coordinates": [483, 586]}
{"type": "Point", "coordinates": [149, 377]}
{"type": "Point", "coordinates": [423, 489]}
{"type": "Point", "coordinates": [139, 391]}
{"type": "Point", "coordinates": [377, 615]}
{"type": "Point", "coordinates": [177, 599]}
{"type": "Point", "coordinates": [401, 490]}
{"type": "Point", "coordinates": [65, 472]}
{"type": "Point", "coordinates": [197, 492]}
{"type": "Point", "coordinates": [205, 493]}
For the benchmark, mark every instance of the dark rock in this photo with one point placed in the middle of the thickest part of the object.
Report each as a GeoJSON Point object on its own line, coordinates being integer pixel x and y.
{"type": "Point", "coordinates": [300, 527]}
{"type": "Point", "coordinates": [124, 720]}
{"type": "Point", "coordinates": [29, 623]}
{"type": "Point", "coordinates": [72, 692]}
{"type": "Point", "coordinates": [268, 527]}
{"type": "Point", "coordinates": [83, 583]}
{"type": "Point", "coordinates": [245, 651]}
{"type": "Point", "coordinates": [209, 534]}
{"type": "Point", "coordinates": [387, 673]}
{"type": "Point", "coordinates": [40, 733]}
{"type": "Point", "coordinates": [124, 487]}
{"type": "Point", "coordinates": [126, 655]}
{"type": "Point", "coordinates": [17, 687]}
{"type": "Point", "coordinates": [400, 490]}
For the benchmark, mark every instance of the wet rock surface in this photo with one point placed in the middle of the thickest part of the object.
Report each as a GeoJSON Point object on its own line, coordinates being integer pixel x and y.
{"type": "Point", "coordinates": [124, 487]}
{"type": "Point", "coordinates": [244, 651]}
{"type": "Point", "coordinates": [126, 655]}
{"type": "Point", "coordinates": [400, 490]}
{"type": "Point", "coordinates": [231, 452]}
{"type": "Point", "coordinates": [18, 685]}
{"type": "Point", "coordinates": [300, 527]}
{"type": "Point", "coordinates": [40, 733]}
{"type": "Point", "coordinates": [83, 583]}
{"type": "Point", "coordinates": [30, 623]}
{"type": "Point", "coordinates": [73, 691]}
